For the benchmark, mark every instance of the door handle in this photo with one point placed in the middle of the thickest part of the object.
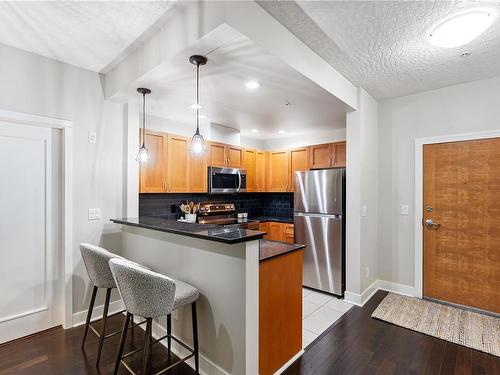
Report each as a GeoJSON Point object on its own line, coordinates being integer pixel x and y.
{"type": "Point", "coordinates": [432, 225]}
{"type": "Point", "coordinates": [239, 181]}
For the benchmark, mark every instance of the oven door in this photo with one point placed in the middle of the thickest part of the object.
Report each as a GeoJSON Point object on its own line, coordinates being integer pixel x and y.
{"type": "Point", "coordinates": [226, 180]}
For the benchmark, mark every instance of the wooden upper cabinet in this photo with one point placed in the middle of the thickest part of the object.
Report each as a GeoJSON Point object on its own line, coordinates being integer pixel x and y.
{"type": "Point", "coordinates": [198, 173]}
{"type": "Point", "coordinates": [320, 156]}
{"type": "Point", "coordinates": [299, 161]}
{"type": "Point", "coordinates": [217, 156]}
{"type": "Point", "coordinates": [249, 165]}
{"type": "Point", "coordinates": [178, 164]}
{"type": "Point", "coordinates": [261, 170]}
{"type": "Point", "coordinates": [153, 175]}
{"type": "Point", "coordinates": [340, 154]}
{"type": "Point", "coordinates": [278, 179]}
{"type": "Point", "coordinates": [234, 156]}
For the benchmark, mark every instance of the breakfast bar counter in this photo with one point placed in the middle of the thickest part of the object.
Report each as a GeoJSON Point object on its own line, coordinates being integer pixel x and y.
{"type": "Point", "coordinates": [242, 280]}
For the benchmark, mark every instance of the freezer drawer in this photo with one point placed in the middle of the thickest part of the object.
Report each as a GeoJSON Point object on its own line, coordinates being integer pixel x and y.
{"type": "Point", "coordinates": [322, 235]}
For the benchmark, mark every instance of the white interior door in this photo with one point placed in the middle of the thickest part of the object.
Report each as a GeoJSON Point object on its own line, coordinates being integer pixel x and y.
{"type": "Point", "coordinates": [29, 269]}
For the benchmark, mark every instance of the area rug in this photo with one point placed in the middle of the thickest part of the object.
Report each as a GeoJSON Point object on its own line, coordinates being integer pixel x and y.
{"type": "Point", "coordinates": [467, 328]}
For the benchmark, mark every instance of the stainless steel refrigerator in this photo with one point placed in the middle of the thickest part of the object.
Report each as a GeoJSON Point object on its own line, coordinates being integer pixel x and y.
{"type": "Point", "coordinates": [319, 214]}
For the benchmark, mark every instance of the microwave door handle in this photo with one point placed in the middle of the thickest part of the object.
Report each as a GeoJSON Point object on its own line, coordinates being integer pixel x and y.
{"type": "Point", "coordinates": [239, 181]}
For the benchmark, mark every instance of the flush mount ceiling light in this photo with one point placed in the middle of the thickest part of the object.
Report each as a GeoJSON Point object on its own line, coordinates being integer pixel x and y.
{"type": "Point", "coordinates": [197, 145]}
{"type": "Point", "coordinates": [281, 132]}
{"type": "Point", "coordinates": [143, 154]}
{"type": "Point", "coordinates": [461, 29]}
{"type": "Point", "coordinates": [252, 85]}
{"type": "Point", "coordinates": [255, 130]}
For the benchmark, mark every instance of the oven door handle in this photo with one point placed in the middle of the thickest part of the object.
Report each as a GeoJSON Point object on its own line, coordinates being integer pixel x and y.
{"type": "Point", "coordinates": [239, 181]}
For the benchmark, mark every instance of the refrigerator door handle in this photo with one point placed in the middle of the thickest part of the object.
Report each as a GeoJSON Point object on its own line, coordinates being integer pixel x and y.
{"type": "Point", "coordinates": [331, 216]}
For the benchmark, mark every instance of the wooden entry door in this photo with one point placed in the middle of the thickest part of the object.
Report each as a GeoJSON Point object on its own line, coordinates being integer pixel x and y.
{"type": "Point", "coordinates": [461, 220]}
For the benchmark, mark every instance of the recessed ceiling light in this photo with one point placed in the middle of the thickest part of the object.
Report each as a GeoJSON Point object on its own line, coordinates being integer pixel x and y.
{"type": "Point", "coordinates": [202, 116]}
{"type": "Point", "coordinates": [281, 132]}
{"type": "Point", "coordinates": [255, 130]}
{"type": "Point", "coordinates": [195, 106]}
{"type": "Point", "coordinates": [461, 29]}
{"type": "Point", "coordinates": [465, 54]}
{"type": "Point", "coordinates": [252, 85]}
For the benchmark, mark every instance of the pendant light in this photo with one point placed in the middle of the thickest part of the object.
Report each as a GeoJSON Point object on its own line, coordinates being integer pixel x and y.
{"type": "Point", "coordinates": [143, 154]}
{"type": "Point", "coordinates": [197, 145]}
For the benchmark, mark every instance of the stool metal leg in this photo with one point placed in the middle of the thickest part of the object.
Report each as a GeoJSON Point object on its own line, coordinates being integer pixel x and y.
{"type": "Point", "coordinates": [169, 333]}
{"type": "Point", "coordinates": [195, 338]}
{"type": "Point", "coordinates": [147, 346]}
{"type": "Point", "coordinates": [103, 326]}
{"type": "Point", "coordinates": [122, 342]}
{"type": "Point", "coordinates": [89, 314]}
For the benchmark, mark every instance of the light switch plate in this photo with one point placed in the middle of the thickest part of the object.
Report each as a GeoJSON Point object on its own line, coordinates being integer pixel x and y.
{"type": "Point", "coordinates": [405, 209]}
{"type": "Point", "coordinates": [92, 137]}
{"type": "Point", "coordinates": [363, 211]}
{"type": "Point", "coordinates": [94, 214]}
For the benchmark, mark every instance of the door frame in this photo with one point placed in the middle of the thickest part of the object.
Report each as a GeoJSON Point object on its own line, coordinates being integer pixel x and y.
{"type": "Point", "coordinates": [419, 191]}
{"type": "Point", "coordinates": [66, 253]}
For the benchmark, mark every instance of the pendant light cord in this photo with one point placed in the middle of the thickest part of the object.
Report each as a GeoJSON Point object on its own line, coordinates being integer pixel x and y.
{"type": "Point", "coordinates": [197, 98]}
{"type": "Point", "coordinates": [143, 119]}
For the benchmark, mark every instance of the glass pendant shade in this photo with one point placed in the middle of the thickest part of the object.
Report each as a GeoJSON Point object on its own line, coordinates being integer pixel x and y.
{"type": "Point", "coordinates": [197, 145]}
{"type": "Point", "coordinates": [143, 155]}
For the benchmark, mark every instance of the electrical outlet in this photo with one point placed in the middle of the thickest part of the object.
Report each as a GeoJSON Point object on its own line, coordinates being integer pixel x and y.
{"type": "Point", "coordinates": [92, 137]}
{"type": "Point", "coordinates": [367, 272]}
{"type": "Point", "coordinates": [405, 209]}
{"type": "Point", "coordinates": [175, 314]}
{"type": "Point", "coordinates": [94, 214]}
{"type": "Point", "coordinates": [363, 211]}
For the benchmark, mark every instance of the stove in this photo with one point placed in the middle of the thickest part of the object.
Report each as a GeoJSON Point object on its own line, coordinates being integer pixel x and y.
{"type": "Point", "coordinates": [224, 215]}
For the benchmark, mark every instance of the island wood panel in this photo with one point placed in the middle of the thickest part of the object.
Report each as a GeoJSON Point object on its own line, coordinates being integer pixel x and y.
{"type": "Point", "coordinates": [299, 161]}
{"type": "Point", "coordinates": [340, 154]}
{"type": "Point", "coordinates": [198, 173]}
{"type": "Point", "coordinates": [153, 175]}
{"type": "Point", "coordinates": [234, 156]}
{"type": "Point", "coordinates": [278, 171]}
{"type": "Point", "coordinates": [178, 164]}
{"type": "Point", "coordinates": [217, 156]}
{"type": "Point", "coordinates": [461, 260]}
{"type": "Point", "coordinates": [249, 164]}
{"type": "Point", "coordinates": [280, 311]}
{"type": "Point", "coordinates": [260, 171]}
{"type": "Point", "coordinates": [320, 156]}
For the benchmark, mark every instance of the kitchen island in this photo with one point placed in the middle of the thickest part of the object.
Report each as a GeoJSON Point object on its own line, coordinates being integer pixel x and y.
{"type": "Point", "coordinates": [243, 281]}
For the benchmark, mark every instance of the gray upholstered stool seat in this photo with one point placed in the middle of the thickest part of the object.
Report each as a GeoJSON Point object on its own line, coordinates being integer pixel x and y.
{"type": "Point", "coordinates": [152, 295]}
{"type": "Point", "coordinates": [96, 260]}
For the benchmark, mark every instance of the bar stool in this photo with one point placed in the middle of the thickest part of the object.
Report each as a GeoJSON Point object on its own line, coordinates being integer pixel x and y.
{"type": "Point", "coordinates": [151, 295]}
{"type": "Point", "coordinates": [96, 260]}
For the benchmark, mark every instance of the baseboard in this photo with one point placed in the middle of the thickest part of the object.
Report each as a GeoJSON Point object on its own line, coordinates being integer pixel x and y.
{"type": "Point", "coordinates": [286, 365]}
{"type": "Point", "coordinates": [79, 318]}
{"type": "Point", "coordinates": [361, 299]}
{"type": "Point", "coordinates": [206, 366]}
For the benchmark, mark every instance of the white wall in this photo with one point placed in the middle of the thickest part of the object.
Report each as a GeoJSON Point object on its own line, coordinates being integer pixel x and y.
{"type": "Point", "coordinates": [37, 85]}
{"type": "Point", "coordinates": [464, 108]}
{"type": "Point", "coordinates": [361, 190]}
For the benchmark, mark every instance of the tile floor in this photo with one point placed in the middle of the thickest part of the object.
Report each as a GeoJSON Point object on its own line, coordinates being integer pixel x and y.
{"type": "Point", "coordinates": [319, 311]}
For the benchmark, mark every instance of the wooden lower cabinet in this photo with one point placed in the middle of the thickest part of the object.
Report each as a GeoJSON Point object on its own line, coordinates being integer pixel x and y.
{"type": "Point", "coordinates": [277, 231]}
{"type": "Point", "coordinates": [280, 311]}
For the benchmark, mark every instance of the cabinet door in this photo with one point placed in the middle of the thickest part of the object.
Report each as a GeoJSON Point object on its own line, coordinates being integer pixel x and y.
{"type": "Point", "coordinates": [278, 172]}
{"type": "Point", "coordinates": [264, 227]}
{"type": "Point", "coordinates": [216, 154]}
{"type": "Point", "coordinates": [299, 161]}
{"type": "Point", "coordinates": [340, 154]}
{"type": "Point", "coordinates": [260, 171]}
{"type": "Point", "coordinates": [153, 175]}
{"type": "Point", "coordinates": [249, 165]}
{"type": "Point", "coordinates": [320, 156]}
{"type": "Point", "coordinates": [178, 162]}
{"type": "Point", "coordinates": [234, 156]}
{"type": "Point", "coordinates": [277, 231]}
{"type": "Point", "coordinates": [197, 173]}
{"type": "Point", "coordinates": [289, 233]}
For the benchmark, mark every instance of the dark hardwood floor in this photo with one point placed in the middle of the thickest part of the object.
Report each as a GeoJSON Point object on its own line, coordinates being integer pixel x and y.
{"type": "Point", "coordinates": [356, 344]}
{"type": "Point", "coordinates": [359, 344]}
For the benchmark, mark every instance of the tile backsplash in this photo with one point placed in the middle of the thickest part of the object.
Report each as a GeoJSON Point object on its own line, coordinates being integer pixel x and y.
{"type": "Point", "coordinates": [256, 204]}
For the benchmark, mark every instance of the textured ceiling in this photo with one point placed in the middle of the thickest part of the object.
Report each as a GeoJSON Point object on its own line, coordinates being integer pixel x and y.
{"type": "Point", "coordinates": [382, 47]}
{"type": "Point", "coordinates": [89, 34]}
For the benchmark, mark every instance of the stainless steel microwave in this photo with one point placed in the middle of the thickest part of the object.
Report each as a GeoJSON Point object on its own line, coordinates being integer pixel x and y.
{"type": "Point", "coordinates": [226, 180]}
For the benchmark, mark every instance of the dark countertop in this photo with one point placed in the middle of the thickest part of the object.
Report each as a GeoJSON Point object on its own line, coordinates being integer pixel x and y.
{"type": "Point", "coordinates": [288, 220]}
{"type": "Point", "coordinates": [271, 249]}
{"type": "Point", "coordinates": [207, 232]}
